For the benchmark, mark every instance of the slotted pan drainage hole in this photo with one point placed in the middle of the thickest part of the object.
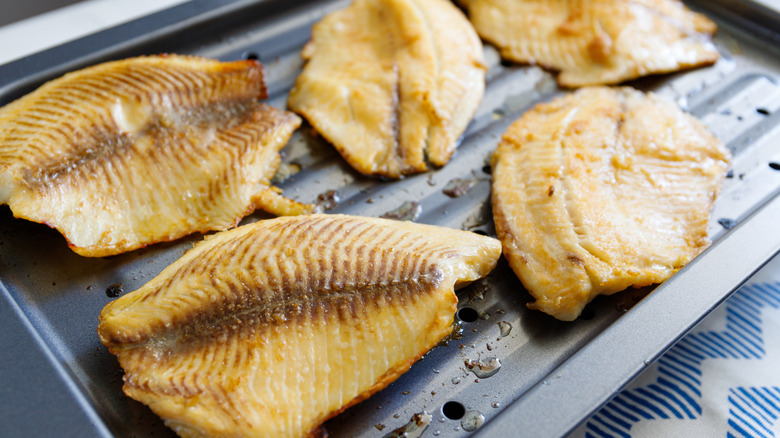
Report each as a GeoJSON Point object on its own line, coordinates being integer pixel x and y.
{"type": "Point", "coordinates": [774, 166]}
{"type": "Point", "coordinates": [453, 410]}
{"type": "Point", "coordinates": [467, 314]}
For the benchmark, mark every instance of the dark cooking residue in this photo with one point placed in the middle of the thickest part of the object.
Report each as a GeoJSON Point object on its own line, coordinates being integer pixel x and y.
{"type": "Point", "coordinates": [455, 335]}
{"type": "Point", "coordinates": [458, 187]}
{"type": "Point", "coordinates": [114, 290]}
{"type": "Point", "coordinates": [408, 211]}
{"type": "Point", "coordinates": [727, 223]}
{"type": "Point", "coordinates": [414, 428]}
{"type": "Point", "coordinates": [328, 200]}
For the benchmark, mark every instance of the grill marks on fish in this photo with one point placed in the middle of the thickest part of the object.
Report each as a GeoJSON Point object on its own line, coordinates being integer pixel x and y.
{"type": "Point", "coordinates": [101, 102]}
{"type": "Point", "coordinates": [132, 152]}
{"type": "Point", "coordinates": [591, 43]}
{"type": "Point", "coordinates": [247, 320]}
{"type": "Point", "coordinates": [90, 154]}
{"type": "Point", "coordinates": [635, 179]}
{"type": "Point", "coordinates": [289, 284]}
{"type": "Point", "coordinates": [391, 83]}
{"type": "Point", "coordinates": [273, 327]}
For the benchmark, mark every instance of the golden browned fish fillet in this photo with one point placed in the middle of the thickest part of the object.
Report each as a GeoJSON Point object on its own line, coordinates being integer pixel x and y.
{"type": "Point", "coordinates": [128, 153]}
{"type": "Point", "coordinates": [391, 83]}
{"type": "Point", "coordinates": [595, 42]}
{"type": "Point", "coordinates": [270, 329]}
{"type": "Point", "coordinates": [600, 190]}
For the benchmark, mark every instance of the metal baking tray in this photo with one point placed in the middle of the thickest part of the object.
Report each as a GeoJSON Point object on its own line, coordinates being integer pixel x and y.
{"type": "Point", "coordinates": [57, 379]}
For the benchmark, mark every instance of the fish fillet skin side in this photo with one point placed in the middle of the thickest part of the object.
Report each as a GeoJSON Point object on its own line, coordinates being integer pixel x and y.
{"type": "Point", "coordinates": [601, 190]}
{"type": "Point", "coordinates": [596, 42]}
{"type": "Point", "coordinates": [269, 329]}
{"type": "Point", "coordinates": [392, 84]}
{"type": "Point", "coordinates": [127, 153]}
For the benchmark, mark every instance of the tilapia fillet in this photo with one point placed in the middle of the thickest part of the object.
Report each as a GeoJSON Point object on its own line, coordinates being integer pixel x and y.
{"type": "Point", "coordinates": [392, 83]}
{"type": "Point", "coordinates": [272, 328]}
{"type": "Point", "coordinates": [132, 152]}
{"type": "Point", "coordinates": [600, 190]}
{"type": "Point", "coordinates": [594, 42]}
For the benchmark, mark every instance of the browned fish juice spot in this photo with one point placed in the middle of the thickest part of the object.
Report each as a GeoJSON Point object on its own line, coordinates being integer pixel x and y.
{"type": "Point", "coordinates": [274, 327]}
{"type": "Point", "coordinates": [392, 83]}
{"type": "Point", "coordinates": [596, 42]}
{"type": "Point", "coordinates": [634, 181]}
{"type": "Point", "coordinates": [128, 153]}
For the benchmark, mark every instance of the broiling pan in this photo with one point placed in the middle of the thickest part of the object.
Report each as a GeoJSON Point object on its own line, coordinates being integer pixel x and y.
{"type": "Point", "coordinates": [56, 379]}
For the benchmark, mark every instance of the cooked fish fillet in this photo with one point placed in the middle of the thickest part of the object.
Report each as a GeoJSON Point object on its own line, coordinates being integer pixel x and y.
{"type": "Point", "coordinates": [272, 328]}
{"type": "Point", "coordinates": [600, 190]}
{"type": "Point", "coordinates": [391, 83]}
{"type": "Point", "coordinates": [132, 152]}
{"type": "Point", "coordinates": [595, 42]}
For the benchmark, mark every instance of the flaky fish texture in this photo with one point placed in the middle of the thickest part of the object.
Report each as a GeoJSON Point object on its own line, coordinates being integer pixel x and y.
{"type": "Point", "coordinates": [593, 42]}
{"type": "Point", "coordinates": [270, 329]}
{"type": "Point", "coordinates": [600, 190]}
{"type": "Point", "coordinates": [132, 152]}
{"type": "Point", "coordinates": [392, 83]}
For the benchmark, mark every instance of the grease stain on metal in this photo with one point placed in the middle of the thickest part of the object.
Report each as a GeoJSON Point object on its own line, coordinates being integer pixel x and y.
{"type": "Point", "coordinates": [472, 421]}
{"type": "Point", "coordinates": [408, 211]}
{"type": "Point", "coordinates": [484, 368]}
{"type": "Point", "coordinates": [505, 328]}
{"type": "Point", "coordinates": [478, 292]}
{"type": "Point", "coordinates": [285, 171]}
{"type": "Point", "coordinates": [414, 428]}
{"type": "Point", "coordinates": [477, 219]}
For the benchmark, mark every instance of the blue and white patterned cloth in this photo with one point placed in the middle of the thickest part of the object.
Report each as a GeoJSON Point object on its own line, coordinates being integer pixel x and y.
{"type": "Point", "coordinates": [720, 380]}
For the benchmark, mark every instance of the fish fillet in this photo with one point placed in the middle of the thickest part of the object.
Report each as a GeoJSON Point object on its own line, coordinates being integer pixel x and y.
{"type": "Point", "coordinates": [594, 42]}
{"type": "Point", "coordinates": [600, 190]}
{"type": "Point", "coordinates": [392, 83]}
{"type": "Point", "coordinates": [274, 327]}
{"type": "Point", "coordinates": [132, 152]}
